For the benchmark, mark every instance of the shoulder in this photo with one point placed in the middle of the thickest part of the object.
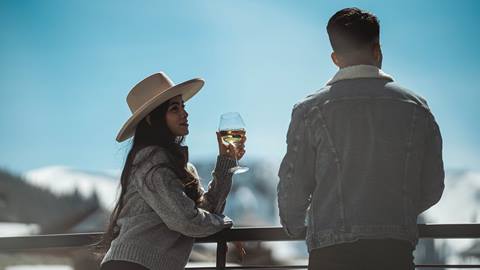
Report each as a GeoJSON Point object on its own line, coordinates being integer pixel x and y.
{"type": "Point", "coordinates": [316, 99]}
{"type": "Point", "coordinates": [155, 154]}
{"type": "Point", "coordinates": [407, 94]}
{"type": "Point", "coordinates": [153, 168]}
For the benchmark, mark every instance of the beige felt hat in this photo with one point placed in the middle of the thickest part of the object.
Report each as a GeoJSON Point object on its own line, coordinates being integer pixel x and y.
{"type": "Point", "coordinates": [150, 93]}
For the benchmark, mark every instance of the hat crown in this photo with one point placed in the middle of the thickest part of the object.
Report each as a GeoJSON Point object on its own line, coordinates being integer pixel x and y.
{"type": "Point", "coordinates": [147, 89]}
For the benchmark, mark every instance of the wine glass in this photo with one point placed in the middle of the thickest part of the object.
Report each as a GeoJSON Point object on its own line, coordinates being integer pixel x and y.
{"type": "Point", "coordinates": [232, 130]}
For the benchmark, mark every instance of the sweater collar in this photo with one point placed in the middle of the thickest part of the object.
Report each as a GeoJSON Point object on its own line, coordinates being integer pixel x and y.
{"type": "Point", "coordinates": [359, 71]}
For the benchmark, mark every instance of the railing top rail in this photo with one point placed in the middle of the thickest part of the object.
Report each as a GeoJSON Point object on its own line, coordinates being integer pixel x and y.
{"type": "Point", "coordinates": [441, 231]}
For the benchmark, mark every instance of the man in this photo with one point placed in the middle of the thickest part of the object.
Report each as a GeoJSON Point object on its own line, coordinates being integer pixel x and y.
{"type": "Point", "coordinates": [364, 159]}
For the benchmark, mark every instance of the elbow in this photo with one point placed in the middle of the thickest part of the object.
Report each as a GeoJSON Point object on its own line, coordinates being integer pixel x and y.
{"type": "Point", "coordinates": [181, 224]}
{"type": "Point", "coordinates": [294, 227]}
{"type": "Point", "coordinates": [436, 195]}
{"type": "Point", "coordinates": [211, 206]}
{"type": "Point", "coordinates": [181, 227]}
{"type": "Point", "coordinates": [202, 225]}
{"type": "Point", "coordinates": [431, 199]}
{"type": "Point", "coordinates": [294, 231]}
{"type": "Point", "coordinates": [199, 231]}
{"type": "Point", "coordinates": [432, 189]}
{"type": "Point", "coordinates": [188, 229]}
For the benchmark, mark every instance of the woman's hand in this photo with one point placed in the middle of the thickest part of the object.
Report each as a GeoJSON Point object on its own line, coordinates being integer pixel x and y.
{"type": "Point", "coordinates": [227, 149]}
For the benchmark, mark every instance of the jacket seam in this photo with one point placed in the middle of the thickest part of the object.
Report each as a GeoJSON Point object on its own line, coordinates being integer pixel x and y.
{"type": "Point", "coordinates": [338, 167]}
{"type": "Point", "coordinates": [341, 99]}
{"type": "Point", "coordinates": [406, 167]}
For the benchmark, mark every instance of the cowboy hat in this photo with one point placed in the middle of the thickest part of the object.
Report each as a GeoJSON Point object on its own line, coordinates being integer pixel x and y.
{"type": "Point", "coordinates": [150, 93]}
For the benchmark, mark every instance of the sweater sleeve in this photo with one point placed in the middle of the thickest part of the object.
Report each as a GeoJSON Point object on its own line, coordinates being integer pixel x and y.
{"type": "Point", "coordinates": [215, 198]}
{"type": "Point", "coordinates": [164, 193]}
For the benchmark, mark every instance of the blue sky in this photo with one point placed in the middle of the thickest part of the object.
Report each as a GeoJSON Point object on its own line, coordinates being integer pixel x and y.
{"type": "Point", "coordinates": [67, 66]}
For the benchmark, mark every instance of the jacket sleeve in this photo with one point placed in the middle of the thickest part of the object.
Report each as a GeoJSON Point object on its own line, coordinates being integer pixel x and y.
{"type": "Point", "coordinates": [296, 175]}
{"type": "Point", "coordinates": [160, 187]}
{"type": "Point", "coordinates": [432, 179]}
{"type": "Point", "coordinates": [215, 197]}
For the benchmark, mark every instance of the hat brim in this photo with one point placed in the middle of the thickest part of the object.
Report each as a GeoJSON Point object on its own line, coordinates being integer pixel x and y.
{"type": "Point", "coordinates": [187, 89]}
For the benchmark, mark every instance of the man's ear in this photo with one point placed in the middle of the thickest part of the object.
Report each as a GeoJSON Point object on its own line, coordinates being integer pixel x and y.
{"type": "Point", "coordinates": [335, 59]}
{"type": "Point", "coordinates": [377, 53]}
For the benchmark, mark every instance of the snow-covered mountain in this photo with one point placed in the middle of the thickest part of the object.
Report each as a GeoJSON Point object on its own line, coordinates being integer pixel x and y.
{"type": "Point", "coordinates": [65, 180]}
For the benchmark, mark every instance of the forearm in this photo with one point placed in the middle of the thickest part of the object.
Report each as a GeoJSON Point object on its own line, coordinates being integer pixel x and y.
{"type": "Point", "coordinates": [293, 196]}
{"type": "Point", "coordinates": [201, 225]}
{"type": "Point", "coordinates": [219, 187]}
{"type": "Point", "coordinates": [292, 215]}
{"type": "Point", "coordinates": [432, 181]}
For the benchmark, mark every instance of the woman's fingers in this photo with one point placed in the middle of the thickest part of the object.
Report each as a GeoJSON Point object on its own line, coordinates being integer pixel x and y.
{"type": "Point", "coordinates": [231, 148]}
{"type": "Point", "coordinates": [225, 149]}
{"type": "Point", "coordinates": [220, 140]}
{"type": "Point", "coordinates": [240, 153]}
{"type": "Point", "coordinates": [240, 150]}
{"type": "Point", "coordinates": [236, 150]}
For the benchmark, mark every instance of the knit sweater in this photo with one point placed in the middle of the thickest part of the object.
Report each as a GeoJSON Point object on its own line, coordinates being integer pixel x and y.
{"type": "Point", "coordinates": [159, 221]}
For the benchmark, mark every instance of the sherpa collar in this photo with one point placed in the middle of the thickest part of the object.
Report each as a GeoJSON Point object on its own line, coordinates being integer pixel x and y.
{"type": "Point", "coordinates": [359, 71]}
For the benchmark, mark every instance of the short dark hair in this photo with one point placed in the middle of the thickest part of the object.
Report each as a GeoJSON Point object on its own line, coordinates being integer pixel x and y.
{"type": "Point", "coordinates": [352, 29]}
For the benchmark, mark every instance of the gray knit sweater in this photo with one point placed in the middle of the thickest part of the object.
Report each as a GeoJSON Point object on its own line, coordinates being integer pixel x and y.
{"type": "Point", "coordinates": [159, 221]}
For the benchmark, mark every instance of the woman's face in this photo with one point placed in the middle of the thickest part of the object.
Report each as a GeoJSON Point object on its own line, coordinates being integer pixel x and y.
{"type": "Point", "coordinates": [176, 116]}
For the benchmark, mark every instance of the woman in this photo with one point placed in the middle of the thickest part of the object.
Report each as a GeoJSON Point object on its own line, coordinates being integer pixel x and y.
{"type": "Point", "coordinates": [162, 205]}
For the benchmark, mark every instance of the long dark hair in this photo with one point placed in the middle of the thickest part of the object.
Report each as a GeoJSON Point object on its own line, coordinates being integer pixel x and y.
{"type": "Point", "coordinates": [153, 132]}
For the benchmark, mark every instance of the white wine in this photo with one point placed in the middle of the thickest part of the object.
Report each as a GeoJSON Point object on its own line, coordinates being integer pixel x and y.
{"type": "Point", "coordinates": [232, 136]}
{"type": "Point", "coordinates": [232, 131]}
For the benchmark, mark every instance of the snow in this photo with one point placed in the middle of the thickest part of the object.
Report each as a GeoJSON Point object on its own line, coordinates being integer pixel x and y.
{"type": "Point", "coordinates": [64, 180]}
{"type": "Point", "coordinates": [8, 229]}
{"type": "Point", "coordinates": [460, 200]}
{"type": "Point", "coordinates": [290, 250]}
{"type": "Point", "coordinates": [459, 205]}
{"type": "Point", "coordinates": [39, 267]}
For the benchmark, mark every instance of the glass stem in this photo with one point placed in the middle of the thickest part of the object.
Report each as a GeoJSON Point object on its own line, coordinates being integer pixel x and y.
{"type": "Point", "coordinates": [235, 154]}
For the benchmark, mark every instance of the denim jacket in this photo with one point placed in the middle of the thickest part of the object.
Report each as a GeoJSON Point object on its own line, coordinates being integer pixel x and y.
{"type": "Point", "coordinates": [364, 159]}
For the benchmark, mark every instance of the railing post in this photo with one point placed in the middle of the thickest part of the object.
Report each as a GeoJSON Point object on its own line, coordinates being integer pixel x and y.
{"type": "Point", "coordinates": [221, 255]}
